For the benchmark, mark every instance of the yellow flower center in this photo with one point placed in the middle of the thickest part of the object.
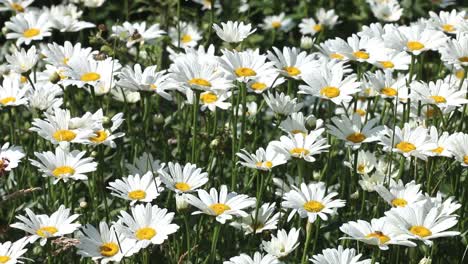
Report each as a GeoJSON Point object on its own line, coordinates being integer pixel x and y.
{"type": "Point", "coordinates": [4, 259]}
{"type": "Point", "coordinates": [387, 64]}
{"type": "Point", "coordinates": [297, 131]}
{"type": "Point", "coordinates": [7, 100]}
{"type": "Point", "coordinates": [361, 168]}
{"type": "Point", "coordinates": [405, 146]}
{"type": "Point", "coordinates": [101, 135]}
{"type": "Point", "coordinates": [90, 77]}
{"type": "Point", "coordinates": [208, 98]}
{"type": "Point", "coordinates": [448, 28]}
{"type": "Point", "coordinates": [153, 86]}
{"type": "Point", "coordinates": [377, 234]}
{"type": "Point", "coordinates": [313, 206]}
{"type": "Point", "coordinates": [245, 72]}
{"type": "Point", "coordinates": [64, 135]}
{"type": "Point", "coordinates": [317, 27]}
{"type": "Point", "coordinates": [439, 99]}
{"type": "Point", "coordinates": [414, 45]}
{"type": "Point", "coordinates": [276, 24]}
{"type": "Point", "coordinates": [199, 82]}
{"type": "Point", "coordinates": [356, 137]}
{"type": "Point", "coordinates": [186, 38]}
{"type": "Point", "coordinates": [182, 186]}
{"type": "Point", "coordinates": [336, 56]}
{"type": "Point", "coordinates": [145, 233]}
{"type": "Point", "coordinates": [361, 55]}
{"type": "Point", "coordinates": [420, 231]}
{"type": "Point", "coordinates": [438, 150]}
{"type": "Point", "coordinates": [399, 202]}
{"type": "Point", "coordinates": [23, 79]}
{"type": "Point", "coordinates": [266, 164]}
{"type": "Point", "coordinates": [361, 112]}
{"type": "Point", "coordinates": [219, 208]}
{"type": "Point", "coordinates": [463, 59]}
{"type": "Point", "coordinates": [389, 91]}
{"type": "Point", "coordinates": [460, 73]}
{"type": "Point", "coordinates": [465, 159]}
{"type": "Point", "coordinates": [18, 8]}
{"type": "Point", "coordinates": [32, 32]}
{"type": "Point", "coordinates": [65, 61]}
{"type": "Point", "coordinates": [330, 91]}
{"type": "Point", "coordinates": [292, 71]}
{"type": "Point", "coordinates": [258, 86]}
{"type": "Point", "coordinates": [46, 231]}
{"type": "Point", "coordinates": [109, 249]}
{"type": "Point", "coordinates": [63, 170]}
{"type": "Point", "coordinates": [299, 151]}
{"type": "Point", "coordinates": [137, 195]}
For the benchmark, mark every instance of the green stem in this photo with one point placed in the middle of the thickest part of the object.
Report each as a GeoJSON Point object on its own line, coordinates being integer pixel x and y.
{"type": "Point", "coordinates": [307, 242]}
{"type": "Point", "coordinates": [196, 105]}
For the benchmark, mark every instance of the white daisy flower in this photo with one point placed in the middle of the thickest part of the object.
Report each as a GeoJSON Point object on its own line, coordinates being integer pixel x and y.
{"type": "Point", "coordinates": [258, 258]}
{"type": "Point", "coordinates": [10, 156]}
{"type": "Point", "coordinates": [310, 201]}
{"type": "Point", "coordinates": [29, 26]}
{"type": "Point", "coordinates": [66, 18]}
{"type": "Point", "coordinates": [245, 65]}
{"type": "Point", "coordinates": [59, 55]}
{"type": "Point", "coordinates": [143, 164]}
{"type": "Point", "coordinates": [327, 18]}
{"type": "Point", "coordinates": [125, 95]}
{"type": "Point", "coordinates": [388, 11]}
{"type": "Point", "coordinates": [422, 222]}
{"type": "Point", "coordinates": [22, 61]}
{"type": "Point", "coordinates": [44, 97]}
{"type": "Point", "coordinates": [414, 39]}
{"type": "Point", "coordinates": [11, 94]}
{"type": "Point", "coordinates": [188, 37]}
{"type": "Point", "coordinates": [281, 103]}
{"type": "Point", "coordinates": [262, 159]}
{"type": "Point", "coordinates": [183, 179]}
{"type": "Point", "coordinates": [458, 145]}
{"type": "Point", "coordinates": [329, 83]}
{"type": "Point", "coordinates": [292, 62]}
{"type": "Point", "coordinates": [137, 33]}
{"type": "Point", "coordinates": [302, 146]}
{"type": "Point", "coordinates": [448, 22]}
{"type": "Point", "coordinates": [283, 243]}
{"type": "Point", "coordinates": [43, 226]}
{"type": "Point", "coordinates": [146, 225]}
{"type": "Point", "coordinates": [211, 99]}
{"type": "Point", "coordinates": [106, 136]}
{"type": "Point", "coordinates": [11, 253]}
{"type": "Point", "coordinates": [296, 123]}
{"type": "Point", "coordinates": [149, 79]}
{"type": "Point", "coordinates": [353, 131]}
{"type": "Point", "coordinates": [264, 82]}
{"type": "Point", "coordinates": [223, 205]}
{"type": "Point", "coordinates": [441, 140]}
{"type": "Point", "coordinates": [443, 94]}
{"type": "Point", "coordinates": [357, 48]}
{"type": "Point", "coordinates": [309, 26]}
{"type": "Point", "coordinates": [64, 165]}
{"type": "Point", "coordinates": [378, 232]}
{"type": "Point", "coordinates": [401, 195]}
{"type": "Point", "coordinates": [389, 87]}
{"type": "Point", "coordinates": [339, 256]}
{"type": "Point", "coordinates": [259, 220]}
{"type": "Point", "coordinates": [390, 60]}
{"type": "Point", "coordinates": [233, 32]}
{"type": "Point", "coordinates": [278, 22]}
{"type": "Point", "coordinates": [366, 162]}
{"type": "Point", "coordinates": [104, 245]}
{"type": "Point", "coordinates": [455, 51]}
{"type": "Point", "coordinates": [18, 6]}
{"type": "Point", "coordinates": [136, 188]}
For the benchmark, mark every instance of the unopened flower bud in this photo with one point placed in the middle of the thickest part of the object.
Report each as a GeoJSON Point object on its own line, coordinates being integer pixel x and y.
{"type": "Point", "coordinates": [214, 143]}
{"type": "Point", "coordinates": [158, 119]}
{"type": "Point", "coordinates": [307, 42]}
{"type": "Point", "coordinates": [181, 202]}
{"type": "Point", "coordinates": [54, 78]}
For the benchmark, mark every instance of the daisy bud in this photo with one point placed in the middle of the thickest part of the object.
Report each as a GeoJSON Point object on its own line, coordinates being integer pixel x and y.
{"type": "Point", "coordinates": [214, 143]}
{"type": "Point", "coordinates": [83, 204]}
{"type": "Point", "coordinates": [105, 120]}
{"type": "Point", "coordinates": [158, 119]}
{"type": "Point", "coordinates": [54, 78]}
{"type": "Point", "coordinates": [355, 195]}
{"type": "Point", "coordinates": [307, 42]}
{"type": "Point", "coordinates": [94, 154]}
{"type": "Point", "coordinates": [425, 261]}
{"type": "Point", "coordinates": [181, 202]}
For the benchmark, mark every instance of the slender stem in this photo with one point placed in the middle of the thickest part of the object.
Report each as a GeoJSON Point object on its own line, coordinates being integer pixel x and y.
{"type": "Point", "coordinates": [196, 105]}
{"type": "Point", "coordinates": [214, 243]}
{"type": "Point", "coordinates": [307, 242]}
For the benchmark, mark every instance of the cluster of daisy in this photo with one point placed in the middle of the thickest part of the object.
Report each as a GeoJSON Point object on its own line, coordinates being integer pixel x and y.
{"type": "Point", "coordinates": [365, 99]}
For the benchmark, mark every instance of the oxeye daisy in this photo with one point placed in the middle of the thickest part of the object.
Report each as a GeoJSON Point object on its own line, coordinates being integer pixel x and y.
{"type": "Point", "coordinates": [278, 22]}
{"type": "Point", "coordinates": [378, 232]}
{"type": "Point", "coordinates": [353, 131]}
{"type": "Point", "coordinates": [137, 33]}
{"type": "Point", "coordinates": [302, 146]}
{"type": "Point", "coordinates": [401, 195]}
{"type": "Point", "coordinates": [149, 79]}
{"type": "Point", "coordinates": [11, 94]}
{"type": "Point", "coordinates": [309, 26]}
{"type": "Point", "coordinates": [143, 164]}
{"type": "Point", "coordinates": [389, 87]}
{"type": "Point", "coordinates": [64, 165]}
{"type": "Point", "coordinates": [183, 179]}
{"type": "Point", "coordinates": [262, 159]}
{"type": "Point", "coordinates": [413, 39]}
{"type": "Point", "coordinates": [366, 162]}
{"type": "Point", "coordinates": [59, 128]}
{"type": "Point", "coordinates": [223, 205]}
{"type": "Point", "coordinates": [455, 51]}
{"type": "Point", "coordinates": [283, 243]}
{"type": "Point", "coordinates": [258, 258]}
{"type": "Point", "coordinates": [310, 201]}
{"type": "Point", "coordinates": [10, 156]}
{"type": "Point", "coordinates": [291, 62]}
{"type": "Point", "coordinates": [136, 188]}
{"type": "Point", "coordinates": [330, 83]}
{"type": "Point", "coordinates": [327, 18]}
{"type": "Point", "coordinates": [66, 18]}
{"type": "Point", "coordinates": [264, 82]}
{"type": "Point", "coordinates": [259, 220]}
{"type": "Point", "coordinates": [104, 245]}
{"type": "Point", "coordinates": [212, 99]}
{"type": "Point", "coordinates": [390, 60]}
{"type": "Point", "coordinates": [106, 136]}
{"type": "Point", "coordinates": [441, 140]}
{"type": "Point", "coordinates": [233, 32]}
{"type": "Point", "coordinates": [60, 55]}
{"type": "Point", "coordinates": [458, 145]}
{"type": "Point", "coordinates": [44, 97]}
{"type": "Point", "coordinates": [146, 225]}
{"type": "Point", "coordinates": [388, 11]}
{"type": "Point", "coordinates": [29, 26]}
{"type": "Point", "coordinates": [124, 95]}
{"type": "Point", "coordinates": [339, 256]}
{"type": "Point", "coordinates": [296, 123]}
{"type": "Point", "coordinates": [11, 253]}
{"type": "Point", "coordinates": [188, 36]}
{"type": "Point", "coordinates": [22, 61]}
{"type": "Point", "coordinates": [281, 103]}
{"type": "Point", "coordinates": [440, 93]}
{"type": "Point", "coordinates": [408, 141]}
{"type": "Point", "coordinates": [358, 48]}
{"type": "Point", "coordinates": [327, 51]}
{"type": "Point", "coordinates": [448, 22]}
{"type": "Point", "coordinates": [245, 65]}
{"type": "Point", "coordinates": [43, 226]}
{"type": "Point", "coordinates": [18, 6]}
{"type": "Point", "coordinates": [422, 222]}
